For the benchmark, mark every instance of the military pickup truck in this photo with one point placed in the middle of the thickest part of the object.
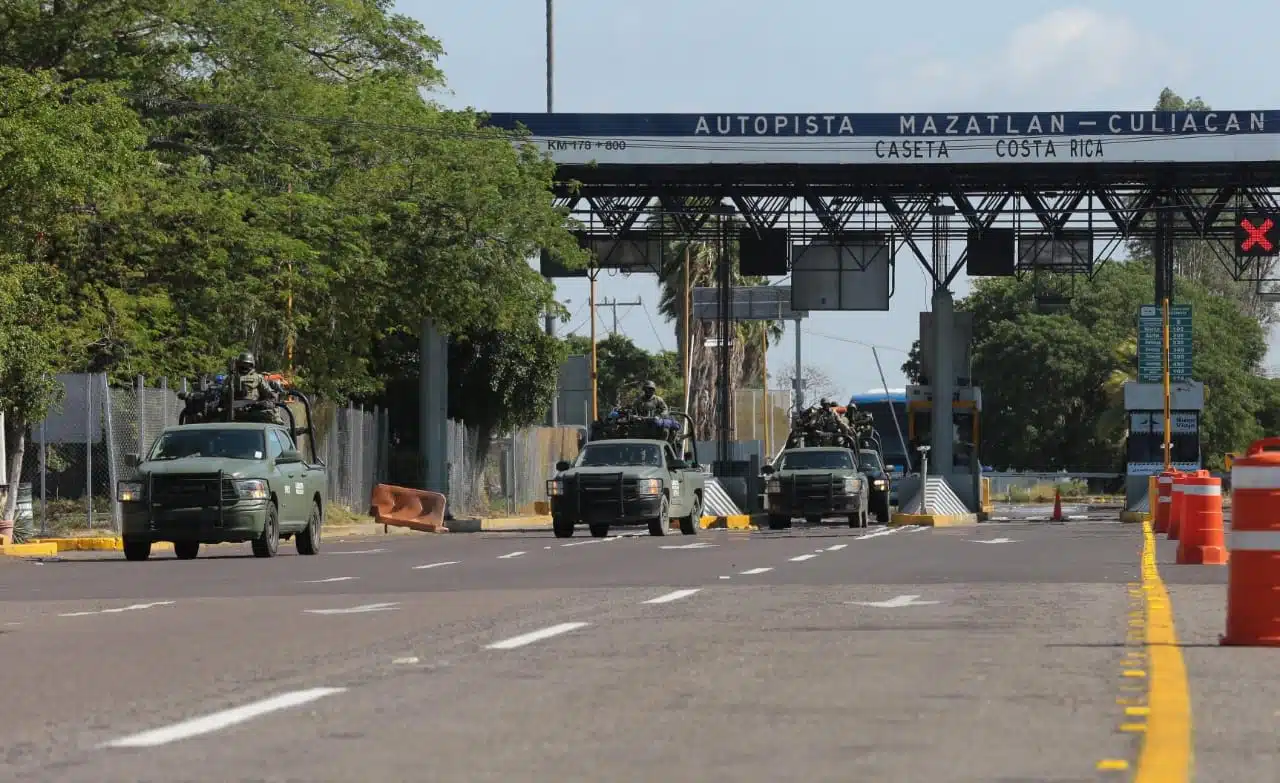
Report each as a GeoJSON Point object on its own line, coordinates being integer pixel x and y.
{"type": "Point", "coordinates": [226, 481]}
{"type": "Point", "coordinates": [879, 483]}
{"type": "Point", "coordinates": [816, 482]}
{"type": "Point", "coordinates": [617, 482]}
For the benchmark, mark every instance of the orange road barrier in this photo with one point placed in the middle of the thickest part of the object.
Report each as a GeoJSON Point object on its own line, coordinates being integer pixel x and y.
{"type": "Point", "coordinates": [1253, 577]}
{"type": "Point", "coordinates": [1162, 502]}
{"type": "Point", "coordinates": [1057, 506]}
{"type": "Point", "coordinates": [1202, 535]}
{"type": "Point", "coordinates": [416, 509]}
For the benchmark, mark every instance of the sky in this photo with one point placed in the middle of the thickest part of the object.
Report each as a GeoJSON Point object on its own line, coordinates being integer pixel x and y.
{"type": "Point", "coordinates": [836, 56]}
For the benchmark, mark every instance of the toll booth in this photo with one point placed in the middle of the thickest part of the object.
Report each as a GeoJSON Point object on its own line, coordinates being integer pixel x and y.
{"type": "Point", "coordinates": [964, 474]}
{"type": "Point", "coordinates": [1144, 448]}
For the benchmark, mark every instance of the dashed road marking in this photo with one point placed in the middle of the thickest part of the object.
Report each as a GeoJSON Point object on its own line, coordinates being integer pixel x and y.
{"type": "Point", "coordinates": [359, 552]}
{"type": "Point", "coordinates": [535, 636]}
{"type": "Point", "coordinates": [836, 547]}
{"type": "Point", "coordinates": [673, 596]}
{"type": "Point", "coordinates": [435, 565]}
{"type": "Point", "coordinates": [510, 555]}
{"type": "Point", "coordinates": [802, 558]}
{"type": "Point", "coordinates": [220, 720]}
{"type": "Point", "coordinates": [407, 660]}
{"type": "Point", "coordinates": [330, 579]}
{"type": "Point", "coordinates": [385, 607]}
{"type": "Point", "coordinates": [755, 571]}
{"type": "Point", "coordinates": [878, 533]}
{"type": "Point", "coordinates": [119, 609]}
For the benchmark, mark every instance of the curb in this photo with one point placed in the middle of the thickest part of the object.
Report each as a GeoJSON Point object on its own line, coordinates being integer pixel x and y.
{"type": "Point", "coordinates": [37, 549]}
{"type": "Point", "coordinates": [92, 544]}
{"type": "Point", "coordinates": [933, 520]}
{"type": "Point", "coordinates": [1133, 517]}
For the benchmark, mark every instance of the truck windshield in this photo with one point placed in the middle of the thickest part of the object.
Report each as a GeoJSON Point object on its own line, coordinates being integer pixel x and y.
{"type": "Point", "coordinates": [219, 443]}
{"type": "Point", "coordinates": [869, 460]}
{"type": "Point", "coordinates": [816, 460]}
{"type": "Point", "coordinates": [596, 455]}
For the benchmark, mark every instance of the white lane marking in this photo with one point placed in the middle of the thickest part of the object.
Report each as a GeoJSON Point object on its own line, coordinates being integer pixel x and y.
{"type": "Point", "coordinates": [409, 660]}
{"type": "Point", "coordinates": [510, 555]}
{"type": "Point", "coordinates": [330, 579]}
{"type": "Point", "coordinates": [435, 565]}
{"type": "Point", "coordinates": [355, 609]}
{"type": "Point", "coordinates": [993, 541]}
{"type": "Point", "coordinates": [584, 543]}
{"type": "Point", "coordinates": [878, 533]}
{"type": "Point", "coordinates": [894, 603]}
{"type": "Point", "coordinates": [220, 720]}
{"type": "Point", "coordinates": [836, 548]}
{"type": "Point", "coordinates": [119, 609]}
{"type": "Point", "coordinates": [673, 596]}
{"type": "Point", "coordinates": [726, 577]}
{"type": "Point", "coordinates": [535, 636]}
{"type": "Point", "coordinates": [802, 558]}
{"type": "Point", "coordinates": [699, 545]}
{"type": "Point", "coordinates": [755, 571]}
{"type": "Point", "coordinates": [359, 552]}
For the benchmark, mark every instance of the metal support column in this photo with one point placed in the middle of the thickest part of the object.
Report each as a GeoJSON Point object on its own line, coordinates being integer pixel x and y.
{"type": "Point", "coordinates": [798, 381]}
{"type": "Point", "coordinates": [942, 437]}
{"type": "Point", "coordinates": [725, 352]}
{"type": "Point", "coordinates": [433, 408]}
{"type": "Point", "coordinates": [1162, 250]}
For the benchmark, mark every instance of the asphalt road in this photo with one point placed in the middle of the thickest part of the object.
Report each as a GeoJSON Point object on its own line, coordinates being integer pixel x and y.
{"type": "Point", "coordinates": [730, 656]}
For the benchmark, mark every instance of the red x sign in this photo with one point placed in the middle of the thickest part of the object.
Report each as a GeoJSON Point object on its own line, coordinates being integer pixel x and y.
{"type": "Point", "coordinates": [1252, 235]}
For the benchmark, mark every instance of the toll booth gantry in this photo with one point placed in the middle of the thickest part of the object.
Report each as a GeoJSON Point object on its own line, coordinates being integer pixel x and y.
{"type": "Point", "coordinates": [833, 198]}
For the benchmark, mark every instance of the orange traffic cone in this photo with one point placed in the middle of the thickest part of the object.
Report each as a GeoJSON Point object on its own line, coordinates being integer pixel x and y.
{"type": "Point", "coordinates": [1057, 507]}
{"type": "Point", "coordinates": [1201, 535]}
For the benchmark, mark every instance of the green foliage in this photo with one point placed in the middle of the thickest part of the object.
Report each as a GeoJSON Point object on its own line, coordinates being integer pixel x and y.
{"type": "Point", "coordinates": [621, 366]}
{"type": "Point", "coordinates": [501, 380]}
{"type": "Point", "coordinates": [1052, 385]}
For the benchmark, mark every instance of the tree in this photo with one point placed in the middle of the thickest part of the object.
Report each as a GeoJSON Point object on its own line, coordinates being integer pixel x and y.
{"type": "Point", "coordinates": [817, 383]}
{"type": "Point", "coordinates": [749, 338]}
{"type": "Point", "coordinates": [621, 366]}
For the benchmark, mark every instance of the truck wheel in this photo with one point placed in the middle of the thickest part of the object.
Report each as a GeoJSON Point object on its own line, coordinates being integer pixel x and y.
{"type": "Point", "coordinates": [689, 525]}
{"type": "Point", "coordinates": [882, 510]}
{"type": "Point", "coordinates": [599, 531]}
{"type": "Point", "coordinates": [563, 528]}
{"type": "Point", "coordinates": [777, 522]}
{"type": "Point", "coordinates": [186, 550]}
{"type": "Point", "coordinates": [268, 544]}
{"type": "Point", "coordinates": [658, 527]}
{"type": "Point", "coordinates": [136, 550]}
{"type": "Point", "coordinates": [308, 540]}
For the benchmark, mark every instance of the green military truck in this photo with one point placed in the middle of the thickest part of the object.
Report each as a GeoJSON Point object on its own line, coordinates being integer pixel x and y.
{"type": "Point", "coordinates": [629, 481]}
{"type": "Point", "coordinates": [226, 481]}
{"type": "Point", "coordinates": [813, 483]}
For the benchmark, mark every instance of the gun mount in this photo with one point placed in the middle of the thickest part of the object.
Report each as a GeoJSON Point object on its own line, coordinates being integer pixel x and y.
{"type": "Point", "coordinates": [214, 400]}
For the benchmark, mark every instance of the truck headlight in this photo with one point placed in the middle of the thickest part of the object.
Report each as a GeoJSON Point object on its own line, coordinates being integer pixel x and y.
{"type": "Point", "coordinates": [650, 486]}
{"type": "Point", "coordinates": [852, 484]}
{"type": "Point", "coordinates": [555, 487]}
{"type": "Point", "coordinates": [251, 489]}
{"type": "Point", "coordinates": [129, 491]}
{"type": "Point", "coordinates": [881, 484]}
{"type": "Point", "coordinates": [773, 485]}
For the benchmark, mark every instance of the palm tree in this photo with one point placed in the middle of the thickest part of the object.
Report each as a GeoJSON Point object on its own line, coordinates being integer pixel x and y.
{"type": "Point", "coordinates": [747, 352]}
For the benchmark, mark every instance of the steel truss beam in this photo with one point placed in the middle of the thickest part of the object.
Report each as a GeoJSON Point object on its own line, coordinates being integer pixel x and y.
{"type": "Point", "coordinates": [1112, 214]}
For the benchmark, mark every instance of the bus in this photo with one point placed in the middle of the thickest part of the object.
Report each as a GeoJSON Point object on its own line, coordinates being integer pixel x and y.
{"type": "Point", "coordinates": [886, 407]}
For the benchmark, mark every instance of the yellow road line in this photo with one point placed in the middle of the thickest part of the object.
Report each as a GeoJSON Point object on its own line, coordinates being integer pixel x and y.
{"type": "Point", "coordinates": [1166, 745]}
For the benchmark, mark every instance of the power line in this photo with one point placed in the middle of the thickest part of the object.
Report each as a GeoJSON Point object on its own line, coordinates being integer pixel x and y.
{"type": "Point", "coordinates": [614, 305]}
{"type": "Point", "coordinates": [856, 342]}
{"type": "Point", "coordinates": [654, 327]}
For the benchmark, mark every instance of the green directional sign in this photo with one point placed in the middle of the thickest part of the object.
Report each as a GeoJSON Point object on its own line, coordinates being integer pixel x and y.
{"type": "Point", "coordinates": [1151, 344]}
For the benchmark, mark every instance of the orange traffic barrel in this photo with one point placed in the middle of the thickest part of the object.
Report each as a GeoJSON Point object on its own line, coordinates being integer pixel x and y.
{"type": "Point", "coordinates": [1160, 504]}
{"type": "Point", "coordinates": [1175, 505]}
{"type": "Point", "coordinates": [1201, 536]}
{"type": "Point", "coordinates": [1253, 577]}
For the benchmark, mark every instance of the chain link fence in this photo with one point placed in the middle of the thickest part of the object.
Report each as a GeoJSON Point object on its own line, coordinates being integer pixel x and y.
{"type": "Point", "coordinates": [73, 459]}
{"type": "Point", "coordinates": [510, 478]}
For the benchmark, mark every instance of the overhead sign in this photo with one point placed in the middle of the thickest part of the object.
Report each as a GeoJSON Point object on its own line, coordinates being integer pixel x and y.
{"type": "Point", "coordinates": [1258, 235]}
{"type": "Point", "coordinates": [746, 303]}
{"type": "Point", "coordinates": [1151, 344]}
{"type": "Point", "coordinates": [850, 271]}
{"type": "Point", "coordinates": [902, 139]}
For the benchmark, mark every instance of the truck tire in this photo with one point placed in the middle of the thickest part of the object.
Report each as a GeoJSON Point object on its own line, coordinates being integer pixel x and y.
{"type": "Point", "coordinates": [307, 540]}
{"type": "Point", "coordinates": [599, 530]}
{"type": "Point", "coordinates": [268, 544]}
{"type": "Point", "coordinates": [563, 528]}
{"type": "Point", "coordinates": [689, 525]}
{"type": "Point", "coordinates": [777, 522]}
{"type": "Point", "coordinates": [136, 550]}
{"type": "Point", "coordinates": [881, 509]}
{"type": "Point", "coordinates": [658, 527]}
{"type": "Point", "coordinates": [186, 550]}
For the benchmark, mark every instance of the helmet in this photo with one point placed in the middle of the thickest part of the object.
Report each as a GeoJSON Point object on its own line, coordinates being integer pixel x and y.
{"type": "Point", "coordinates": [245, 361]}
{"type": "Point", "coordinates": [827, 402]}
{"type": "Point", "coordinates": [650, 386]}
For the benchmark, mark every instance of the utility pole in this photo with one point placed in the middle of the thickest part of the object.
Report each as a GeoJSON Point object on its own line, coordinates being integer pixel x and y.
{"type": "Point", "coordinates": [614, 305]}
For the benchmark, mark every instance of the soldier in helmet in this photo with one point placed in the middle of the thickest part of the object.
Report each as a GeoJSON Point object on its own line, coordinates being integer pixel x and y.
{"type": "Point", "coordinates": [251, 385]}
{"type": "Point", "coordinates": [649, 403]}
